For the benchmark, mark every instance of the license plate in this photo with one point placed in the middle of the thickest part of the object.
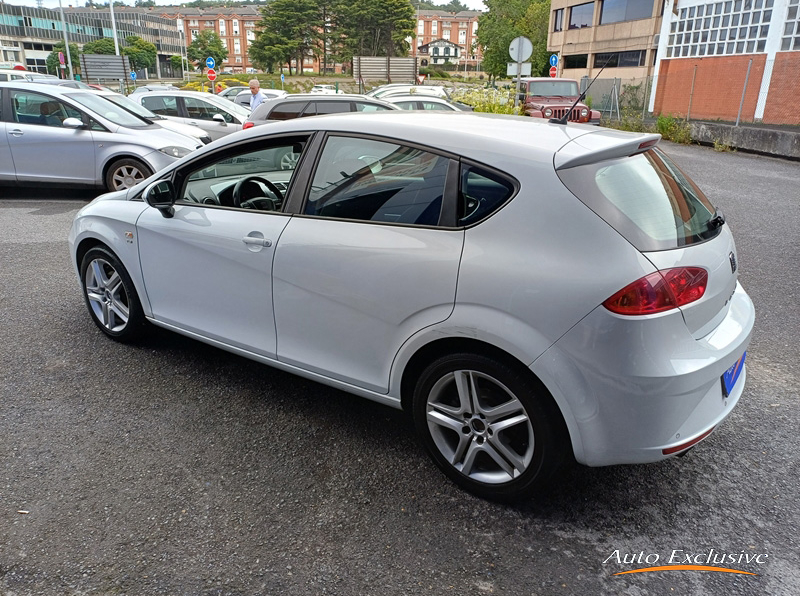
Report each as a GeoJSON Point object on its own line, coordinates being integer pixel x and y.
{"type": "Point", "coordinates": [731, 375]}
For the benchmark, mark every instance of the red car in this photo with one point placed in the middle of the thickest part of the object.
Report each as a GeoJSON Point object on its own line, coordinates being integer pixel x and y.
{"type": "Point", "coordinates": [547, 97]}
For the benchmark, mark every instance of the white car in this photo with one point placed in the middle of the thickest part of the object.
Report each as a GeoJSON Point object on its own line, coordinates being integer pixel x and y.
{"type": "Point", "coordinates": [529, 292]}
{"type": "Point", "coordinates": [325, 90]}
{"type": "Point", "coordinates": [243, 97]}
{"type": "Point", "coordinates": [418, 101]}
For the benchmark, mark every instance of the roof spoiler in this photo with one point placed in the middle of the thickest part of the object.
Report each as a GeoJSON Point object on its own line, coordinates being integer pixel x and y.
{"type": "Point", "coordinates": [602, 145]}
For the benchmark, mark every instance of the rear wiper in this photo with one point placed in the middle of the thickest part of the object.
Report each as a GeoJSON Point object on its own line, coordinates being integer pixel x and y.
{"type": "Point", "coordinates": [717, 221]}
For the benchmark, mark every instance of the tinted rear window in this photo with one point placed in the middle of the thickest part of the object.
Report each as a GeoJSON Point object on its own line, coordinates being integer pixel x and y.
{"type": "Point", "coordinates": [646, 198]}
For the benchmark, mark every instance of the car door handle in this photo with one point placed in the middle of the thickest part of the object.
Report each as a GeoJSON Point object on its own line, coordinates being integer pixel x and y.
{"type": "Point", "coordinates": [16, 132]}
{"type": "Point", "coordinates": [254, 241]}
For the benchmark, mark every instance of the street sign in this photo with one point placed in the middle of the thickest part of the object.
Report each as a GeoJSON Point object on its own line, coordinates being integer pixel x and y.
{"type": "Point", "coordinates": [61, 57]}
{"type": "Point", "coordinates": [211, 74]}
{"type": "Point", "coordinates": [553, 59]}
{"type": "Point", "coordinates": [523, 70]}
{"type": "Point", "coordinates": [553, 71]}
{"type": "Point", "coordinates": [520, 49]}
{"type": "Point", "coordinates": [210, 63]}
{"type": "Point", "coordinates": [282, 77]}
{"type": "Point", "coordinates": [133, 76]}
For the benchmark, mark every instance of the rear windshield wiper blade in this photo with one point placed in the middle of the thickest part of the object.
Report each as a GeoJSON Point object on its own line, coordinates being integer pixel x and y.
{"type": "Point", "coordinates": [717, 221]}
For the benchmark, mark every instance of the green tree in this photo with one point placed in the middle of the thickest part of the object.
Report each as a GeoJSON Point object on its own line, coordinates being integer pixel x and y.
{"type": "Point", "coordinates": [141, 53]}
{"type": "Point", "coordinates": [535, 27]}
{"type": "Point", "coordinates": [176, 62]}
{"type": "Point", "coordinates": [53, 65]}
{"type": "Point", "coordinates": [368, 28]}
{"type": "Point", "coordinates": [206, 44]}
{"type": "Point", "coordinates": [99, 46]}
{"type": "Point", "coordinates": [289, 30]}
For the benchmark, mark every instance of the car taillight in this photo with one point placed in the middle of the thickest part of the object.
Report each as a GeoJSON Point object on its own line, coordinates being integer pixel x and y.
{"type": "Point", "coordinates": [247, 125]}
{"type": "Point", "coordinates": [660, 291]}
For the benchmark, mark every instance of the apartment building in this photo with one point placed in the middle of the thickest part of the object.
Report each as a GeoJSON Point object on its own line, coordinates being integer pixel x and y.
{"type": "Point", "coordinates": [447, 37]}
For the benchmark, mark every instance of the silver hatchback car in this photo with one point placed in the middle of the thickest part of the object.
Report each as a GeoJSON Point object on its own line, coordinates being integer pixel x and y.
{"type": "Point", "coordinates": [529, 292]}
{"type": "Point", "coordinates": [58, 135]}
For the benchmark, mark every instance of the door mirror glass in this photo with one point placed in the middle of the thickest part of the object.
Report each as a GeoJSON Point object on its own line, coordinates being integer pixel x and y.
{"type": "Point", "coordinates": [161, 195]}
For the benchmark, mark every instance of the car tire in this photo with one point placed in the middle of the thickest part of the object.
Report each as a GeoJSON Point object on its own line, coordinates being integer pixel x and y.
{"type": "Point", "coordinates": [125, 173]}
{"type": "Point", "coordinates": [491, 427]}
{"type": "Point", "coordinates": [111, 296]}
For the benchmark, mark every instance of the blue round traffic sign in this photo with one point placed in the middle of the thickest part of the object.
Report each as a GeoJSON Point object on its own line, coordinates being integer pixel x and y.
{"type": "Point", "coordinates": [210, 62]}
{"type": "Point", "coordinates": [133, 76]}
{"type": "Point", "coordinates": [553, 60]}
{"type": "Point", "coordinates": [282, 77]}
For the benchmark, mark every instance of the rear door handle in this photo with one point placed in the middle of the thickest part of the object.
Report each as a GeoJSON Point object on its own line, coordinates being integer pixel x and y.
{"type": "Point", "coordinates": [254, 241]}
{"type": "Point", "coordinates": [16, 132]}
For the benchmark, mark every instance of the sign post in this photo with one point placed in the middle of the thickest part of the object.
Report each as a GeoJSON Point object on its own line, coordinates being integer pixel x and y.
{"type": "Point", "coordinates": [133, 78]}
{"type": "Point", "coordinates": [520, 49]}
{"type": "Point", "coordinates": [282, 77]}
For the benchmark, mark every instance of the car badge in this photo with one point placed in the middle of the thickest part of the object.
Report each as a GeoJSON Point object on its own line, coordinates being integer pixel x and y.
{"type": "Point", "coordinates": [733, 262]}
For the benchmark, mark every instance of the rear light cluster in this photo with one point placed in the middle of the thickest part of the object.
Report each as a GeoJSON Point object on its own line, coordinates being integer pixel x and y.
{"type": "Point", "coordinates": [660, 291]}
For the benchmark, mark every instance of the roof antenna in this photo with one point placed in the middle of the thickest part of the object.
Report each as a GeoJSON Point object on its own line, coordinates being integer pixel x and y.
{"type": "Point", "coordinates": [563, 119]}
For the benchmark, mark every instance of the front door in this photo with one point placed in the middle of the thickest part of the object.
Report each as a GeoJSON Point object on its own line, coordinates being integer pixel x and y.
{"type": "Point", "coordinates": [208, 269]}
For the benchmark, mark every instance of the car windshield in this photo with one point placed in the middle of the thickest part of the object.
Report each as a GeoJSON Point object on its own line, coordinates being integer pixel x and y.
{"type": "Point", "coordinates": [228, 106]}
{"type": "Point", "coordinates": [131, 106]}
{"type": "Point", "coordinates": [545, 88]}
{"type": "Point", "coordinates": [108, 110]}
{"type": "Point", "coordinates": [646, 198]}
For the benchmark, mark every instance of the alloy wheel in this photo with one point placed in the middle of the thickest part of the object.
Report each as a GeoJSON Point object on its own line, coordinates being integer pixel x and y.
{"type": "Point", "coordinates": [107, 297]}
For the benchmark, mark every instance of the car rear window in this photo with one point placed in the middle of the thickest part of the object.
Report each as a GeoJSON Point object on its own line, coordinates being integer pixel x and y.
{"type": "Point", "coordinates": [646, 198]}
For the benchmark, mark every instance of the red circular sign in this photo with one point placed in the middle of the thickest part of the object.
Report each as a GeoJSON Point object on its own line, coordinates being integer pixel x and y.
{"type": "Point", "coordinates": [553, 71]}
{"type": "Point", "coordinates": [212, 74]}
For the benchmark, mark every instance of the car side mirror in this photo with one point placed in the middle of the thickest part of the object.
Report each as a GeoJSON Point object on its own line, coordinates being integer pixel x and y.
{"type": "Point", "coordinates": [72, 123]}
{"type": "Point", "coordinates": [161, 195]}
{"type": "Point", "coordinates": [219, 118]}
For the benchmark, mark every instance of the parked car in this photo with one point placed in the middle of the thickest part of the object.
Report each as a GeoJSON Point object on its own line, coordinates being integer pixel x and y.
{"type": "Point", "coordinates": [399, 89]}
{"type": "Point", "coordinates": [299, 105]}
{"type": "Point", "coordinates": [230, 93]}
{"type": "Point", "coordinates": [217, 117]}
{"type": "Point", "coordinates": [139, 110]}
{"type": "Point", "coordinates": [325, 90]}
{"type": "Point", "coordinates": [547, 97]}
{"type": "Point", "coordinates": [147, 88]}
{"type": "Point", "coordinates": [19, 75]}
{"type": "Point", "coordinates": [527, 291]}
{"type": "Point", "coordinates": [60, 82]}
{"type": "Point", "coordinates": [243, 97]}
{"type": "Point", "coordinates": [65, 136]}
{"type": "Point", "coordinates": [423, 102]}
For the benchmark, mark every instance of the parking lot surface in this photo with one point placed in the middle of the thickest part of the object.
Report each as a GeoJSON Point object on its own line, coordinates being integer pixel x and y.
{"type": "Point", "coordinates": [171, 467]}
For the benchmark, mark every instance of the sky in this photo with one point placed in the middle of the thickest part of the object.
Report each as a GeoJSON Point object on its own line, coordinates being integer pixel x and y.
{"type": "Point", "coordinates": [473, 4]}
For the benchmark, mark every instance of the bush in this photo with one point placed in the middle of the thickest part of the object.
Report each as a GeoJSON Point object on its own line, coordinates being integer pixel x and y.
{"type": "Point", "coordinates": [489, 101]}
{"type": "Point", "coordinates": [673, 129]}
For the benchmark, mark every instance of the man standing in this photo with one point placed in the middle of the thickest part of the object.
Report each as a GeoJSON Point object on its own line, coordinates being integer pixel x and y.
{"type": "Point", "coordinates": [257, 98]}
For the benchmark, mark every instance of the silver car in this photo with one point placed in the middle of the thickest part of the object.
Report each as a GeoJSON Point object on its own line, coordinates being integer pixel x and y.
{"type": "Point", "coordinates": [59, 135]}
{"type": "Point", "coordinates": [217, 117]}
{"type": "Point", "coordinates": [528, 292]}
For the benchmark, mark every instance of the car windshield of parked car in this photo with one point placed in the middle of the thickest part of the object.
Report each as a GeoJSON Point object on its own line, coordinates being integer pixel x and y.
{"type": "Point", "coordinates": [551, 88]}
{"type": "Point", "coordinates": [108, 110]}
{"type": "Point", "coordinates": [226, 105]}
{"type": "Point", "coordinates": [646, 198]}
{"type": "Point", "coordinates": [131, 106]}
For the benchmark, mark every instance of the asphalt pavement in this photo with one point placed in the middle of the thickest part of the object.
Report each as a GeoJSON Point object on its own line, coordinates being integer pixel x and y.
{"type": "Point", "coordinates": [171, 467]}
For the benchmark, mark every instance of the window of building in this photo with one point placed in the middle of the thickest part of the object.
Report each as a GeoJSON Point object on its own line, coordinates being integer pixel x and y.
{"type": "Point", "coordinates": [791, 29]}
{"type": "Point", "coordinates": [237, 46]}
{"type": "Point", "coordinates": [581, 16]}
{"type": "Point", "coordinates": [235, 25]}
{"type": "Point", "coordinates": [446, 34]}
{"type": "Point", "coordinates": [222, 30]}
{"type": "Point", "coordinates": [420, 27]}
{"type": "Point", "coordinates": [209, 23]}
{"type": "Point", "coordinates": [619, 59]}
{"type": "Point", "coordinates": [434, 27]}
{"type": "Point", "coordinates": [462, 37]}
{"type": "Point", "coordinates": [558, 20]}
{"type": "Point", "coordinates": [576, 61]}
{"type": "Point", "coordinates": [193, 22]}
{"type": "Point", "coordinates": [194, 33]}
{"type": "Point", "coordinates": [616, 11]}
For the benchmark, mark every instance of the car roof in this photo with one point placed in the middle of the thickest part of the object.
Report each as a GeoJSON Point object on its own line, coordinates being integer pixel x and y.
{"type": "Point", "coordinates": [416, 96]}
{"type": "Point", "coordinates": [42, 87]}
{"type": "Point", "coordinates": [486, 138]}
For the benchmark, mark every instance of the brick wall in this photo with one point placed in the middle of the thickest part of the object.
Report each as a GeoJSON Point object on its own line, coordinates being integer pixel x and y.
{"type": "Point", "coordinates": [718, 86]}
{"type": "Point", "coordinates": [783, 100]}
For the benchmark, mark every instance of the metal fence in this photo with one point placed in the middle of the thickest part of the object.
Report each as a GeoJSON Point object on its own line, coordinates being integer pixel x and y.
{"type": "Point", "coordinates": [750, 89]}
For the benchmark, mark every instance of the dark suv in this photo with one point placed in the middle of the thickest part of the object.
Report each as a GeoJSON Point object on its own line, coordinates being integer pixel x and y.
{"type": "Point", "coordinates": [301, 105]}
{"type": "Point", "coordinates": [551, 98]}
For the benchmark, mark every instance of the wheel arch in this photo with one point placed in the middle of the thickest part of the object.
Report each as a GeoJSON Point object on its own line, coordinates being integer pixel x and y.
{"type": "Point", "coordinates": [433, 350]}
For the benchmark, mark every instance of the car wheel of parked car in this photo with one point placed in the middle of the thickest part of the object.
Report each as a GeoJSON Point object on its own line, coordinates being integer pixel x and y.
{"type": "Point", "coordinates": [126, 173]}
{"type": "Point", "coordinates": [488, 426]}
{"type": "Point", "coordinates": [110, 295]}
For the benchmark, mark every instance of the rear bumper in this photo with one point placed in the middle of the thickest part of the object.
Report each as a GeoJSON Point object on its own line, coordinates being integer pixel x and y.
{"type": "Point", "coordinates": [631, 388]}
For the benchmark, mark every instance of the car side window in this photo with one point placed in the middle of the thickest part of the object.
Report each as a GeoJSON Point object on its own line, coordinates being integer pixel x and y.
{"type": "Point", "coordinates": [406, 105]}
{"type": "Point", "coordinates": [256, 178]}
{"type": "Point", "coordinates": [33, 108]}
{"type": "Point", "coordinates": [328, 107]}
{"type": "Point", "coordinates": [201, 110]}
{"type": "Point", "coordinates": [287, 110]}
{"type": "Point", "coordinates": [376, 181]}
{"type": "Point", "coordinates": [369, 107]}
{"type": "Point", "coordinates": [432, 105]}
{"type": "Point", "coordinates": [481, 193]}
{"type": "Point", "coordinates": [162, 105]}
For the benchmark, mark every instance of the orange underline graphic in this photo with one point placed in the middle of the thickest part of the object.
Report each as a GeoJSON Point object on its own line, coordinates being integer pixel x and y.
{"type": "Point", "coordinates": [684, 568]}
